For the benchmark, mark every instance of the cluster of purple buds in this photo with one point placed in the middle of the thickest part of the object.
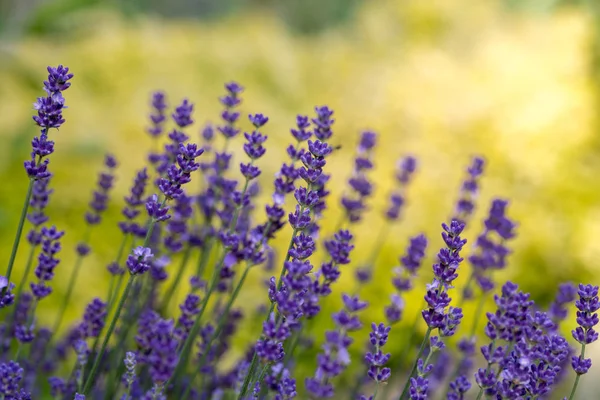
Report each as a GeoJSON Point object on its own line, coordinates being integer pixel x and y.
{"type": "Point", "coordinates": [490, 250]}
{"type": "Point", "coordinates": [177, 229]}
{"type": "Point", "coordinates": [338, 248]}
{"type": "Point", "coordinates": [7, 297]}
{"type": "Point", "coordinates": [158, 116]}
{"type": "Point", "coordinates": [469, 191]}
{"type": "Point", "coordinates": [231, 100]}
{"type": "Point", "coordinates": [376, 360]}
{"type": "Point", "coordinates": [565, 296]}
{"type": "Point", "coordinates": [285, 180]}
{"type": "Point", "coordinates": [311, 198]}
{"type": "Point", "coordinates": [139, 260]}
{"type": "Point", "coordinates": [438, 315]}
{"type": "Point", "coordinates": [404, 276]}
{"type": "Point", "coordinates": [49, 115]}
{"type": "Point", "coordinates": [47, 261]}
{"type": "Point", "coordinates": [134, 201]}
{"type": "Point", "coordinates": [178, 174]}
{"type": "Point", "coordinates": [39, 201]}
{"type": "Point", "coordinates": [94, 319]}
{"type": "Point", "coordinates": [361, 188]}
{"type": "Point", "coordinates": [11, 375]}
{"type": "Point", "coordinates": [100, 196]}
{"type": "Point", "coordinates": [587, 318]}
{"type": "Point", "coordinates": [335, 357]}
{"type": "Point", "coordinates": [405, 170]}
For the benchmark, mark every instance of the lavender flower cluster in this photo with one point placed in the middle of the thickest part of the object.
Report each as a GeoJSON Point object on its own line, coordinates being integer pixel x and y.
{"type": "Point", "coordinates": [134, 344]}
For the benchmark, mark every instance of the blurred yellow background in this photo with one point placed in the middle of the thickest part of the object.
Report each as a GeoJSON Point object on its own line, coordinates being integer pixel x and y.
{"type": "Point", "coordinates": [440, 79]}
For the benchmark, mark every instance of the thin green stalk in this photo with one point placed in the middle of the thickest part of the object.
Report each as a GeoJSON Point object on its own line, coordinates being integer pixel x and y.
{"type": "Point", "coordinates": [27, 271]}
{"type": "Point", "coordinates": [185, 350]}
{"type": "Point", "coordinates": [72, 281]}
{"type": "Point", "coordinates": [15, 246]}
{"type": "Point", "coordinates": [467, 287]}
{"type": "Point", "coordinates": [487, 370]}
{"type": "Point", "coordinates": [254, 361]}
{"type": "Point", "coordinates": [375, 392]}
{"type": "Point", "coordinates": [90, 380]}
{"type": "Point", "coordinates": [220, 325]}
{"type": "Point", "coordinates": [187, 345]}
{"type": "Point", "coordinates": [289, 353]}
{"type": "Point", "coordinates": [205, 256]}
{"type": "Point", "coordinates": [414, 367]}
{"type": "Point", "coordinates": [572, 395]}
{"type": "Point", "coordinates": [177, 280]}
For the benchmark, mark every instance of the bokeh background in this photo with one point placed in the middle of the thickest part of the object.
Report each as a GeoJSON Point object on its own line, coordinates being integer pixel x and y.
{"type": "Point", "coordinates": [515, 81]}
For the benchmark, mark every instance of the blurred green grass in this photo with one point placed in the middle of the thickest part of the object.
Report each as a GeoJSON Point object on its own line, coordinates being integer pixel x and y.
{"type": "Point", "coordinates": [442, 80]}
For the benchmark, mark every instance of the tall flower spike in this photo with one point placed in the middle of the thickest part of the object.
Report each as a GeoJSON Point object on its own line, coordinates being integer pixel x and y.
{"type": "Point", "coordinates": [47, 261]}
{"type": "Point", "coordinates": [100, 196]}
{"type": "Point", "coordinates": [134, 201]}
{"type": "Point", "coordinates": [404, 275]}
{"type": "Point", "coordinates": [158, 115]}
{"type": "Point", "coordinates": [438, 314]}
{"type": "Point", "coordinates": [361, 188]}
{"type": "Point", "coordinates": [377, 359]}
{"type": "Point", "coordinates": [404, 173]}
{"type": "Point", "coordinates": [490, 250]}
{"type": "Point", "coordinates": [584, 334]}
{"type": "Point", "coordinates": [335, 356]}
{"type": "Point", "coordinates": [558, 309]}
{"type": "Point", "coordinates": [465, 205]}
{"type": "Point", "coordinates": [49, 115]}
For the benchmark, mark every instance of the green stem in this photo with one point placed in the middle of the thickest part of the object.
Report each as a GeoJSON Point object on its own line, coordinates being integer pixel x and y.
{"type": "Point", "coordinates": [467, 287]}
{"type": "Point", "coordinates": [71, 286]}
{"type": "Point", "coordinates": [487, 370]}
{"type": "Point", "coordinates": [414, 367]}
{"type": "Point", "coordinates": [187, 345]}
{"type": "Point", "coordinates": [15, 246]}
{"type": "Point", "coordinates": [27, 271]}
{"type": "Point", "coordinates": [220, 325]}
{"type": "Point", "coordinates": [177, 280]}
{"type": "Point", "coordinates": [572, 395]}
{"type": "Point", "coordinates": [204, 256]}
{"type": "Point", "coordinates": [375, 392]}
{"type": "Point", "coordinates": [90, 380]}
{"type": "Point", "coordinates": [254, 361]}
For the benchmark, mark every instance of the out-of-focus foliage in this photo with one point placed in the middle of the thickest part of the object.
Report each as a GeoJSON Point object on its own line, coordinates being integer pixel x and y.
{"type": "Point", "coordinates": [55, 17]}
{"type": "Point", "coordinates": [442, 79]}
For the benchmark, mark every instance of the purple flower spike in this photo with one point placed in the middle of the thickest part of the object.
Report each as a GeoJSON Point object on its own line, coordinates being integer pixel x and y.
{"type": "Point", "coordinates": [158, 116]}
{"type": "Point", "coordinates": [405, 274]}
{"type": "Point", "coordinates": [93, 319]}
{"type": "Point", "coordinates": [101, 195]}
{"type": "Point", "coordinates": [47, 261]}
{"type": "Point", "coordinates": [376, 360]}
{"type": "Point", "coordinates": [470, 188]}
{"type": "Point", "coordinates": [361, 188]}
{"type": "Point", "coordinates": [335, 357]}
{"type": "Point", "coordinates": [49, 115]}
{"type": "Point", "coordinates": [587, 318]}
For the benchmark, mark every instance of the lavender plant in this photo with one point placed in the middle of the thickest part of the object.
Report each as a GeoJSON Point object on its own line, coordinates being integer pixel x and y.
{"type": "Point", "coordinates": [130, 343]}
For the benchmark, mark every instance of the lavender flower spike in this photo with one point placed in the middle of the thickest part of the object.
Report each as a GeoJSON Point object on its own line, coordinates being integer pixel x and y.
{"type": "Point", "coordinates": [470, 188]}
{"type": "Point", "coordinates": [439, 314]}
{"type": "Point", "coordinates": [584, 334]}
{"type": "Point", "coordinates": [376, 360]}
{"type": "Point", "coordinates": [49, 115]}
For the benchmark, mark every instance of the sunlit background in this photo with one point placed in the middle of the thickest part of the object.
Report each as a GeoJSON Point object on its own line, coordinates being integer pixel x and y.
{"type": "Point", "coordinates": [517, 82]}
